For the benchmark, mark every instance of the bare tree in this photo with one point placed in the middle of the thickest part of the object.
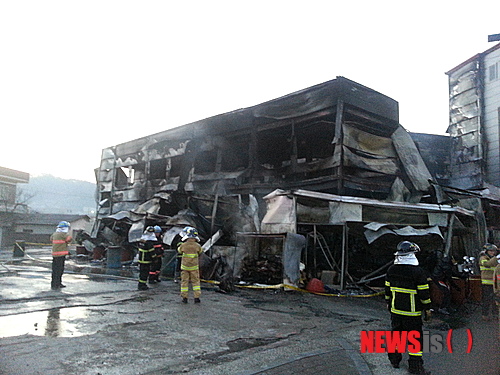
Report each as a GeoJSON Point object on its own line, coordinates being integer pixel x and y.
{"type": "Point", "coordinates": [14, 200]}
{"type": "Point", "coordinates": [13, 205]}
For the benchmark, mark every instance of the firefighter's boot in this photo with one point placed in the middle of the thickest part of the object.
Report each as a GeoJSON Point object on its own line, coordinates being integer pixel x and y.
{"type": "Point", "coordinates": [418, 368]}
{"type": "Point", "coordinates": [395, 359]}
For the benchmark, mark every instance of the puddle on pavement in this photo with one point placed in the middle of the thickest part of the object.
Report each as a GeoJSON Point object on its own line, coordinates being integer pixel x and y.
{"type": "Point", "coordinates": [66, 322]}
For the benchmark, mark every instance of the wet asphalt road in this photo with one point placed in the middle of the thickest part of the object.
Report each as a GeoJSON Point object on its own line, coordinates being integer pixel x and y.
{"type": "Point", "coordinates": [100, 324]}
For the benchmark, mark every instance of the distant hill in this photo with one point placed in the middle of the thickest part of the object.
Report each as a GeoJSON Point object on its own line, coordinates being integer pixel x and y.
{"type": "Point", "coordinates": [56, 195]}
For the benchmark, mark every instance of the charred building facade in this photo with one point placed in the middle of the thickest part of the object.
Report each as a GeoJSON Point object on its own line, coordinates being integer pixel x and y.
{"type": "Point", "coordinates": [338, 138]}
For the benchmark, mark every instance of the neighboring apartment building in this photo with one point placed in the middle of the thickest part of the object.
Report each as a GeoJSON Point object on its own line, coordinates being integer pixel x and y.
{"type": "Point", "coordinates": [10, 206]}
{"type": "Point", "coordinates": [474, 89]}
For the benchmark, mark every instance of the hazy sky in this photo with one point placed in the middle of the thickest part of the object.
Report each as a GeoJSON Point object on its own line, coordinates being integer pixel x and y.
{"type": "Point", "coordinates": [80, 76]}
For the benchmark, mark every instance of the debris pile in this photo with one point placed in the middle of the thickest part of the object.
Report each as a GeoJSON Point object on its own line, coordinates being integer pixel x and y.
{"type": "Point", "coordinates": [266, 270]}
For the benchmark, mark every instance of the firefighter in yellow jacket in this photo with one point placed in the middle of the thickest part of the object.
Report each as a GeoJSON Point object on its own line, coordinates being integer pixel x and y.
{"type": "Point", "coordinates": [407, 295]}
{"type": "Point", "coordinates": [496, 290]}
{"type": "Point", "coordinates": [190, 251]}
{"type": "Point", "coordinates": [60, 240]}
{"type": "Point", "coordinates": [487, 262]}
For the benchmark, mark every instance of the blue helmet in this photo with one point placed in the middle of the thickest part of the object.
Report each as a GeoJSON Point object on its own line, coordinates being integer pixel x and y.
{"type": "Point", "coordinates": [157, 229]}
{"type": "Point", "coordinates": [63, 224]}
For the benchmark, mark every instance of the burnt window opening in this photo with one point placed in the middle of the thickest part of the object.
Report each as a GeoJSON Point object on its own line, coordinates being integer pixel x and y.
{"type": "Point", "coordinates": [235, 155]}
{"type": "Point", "coordinates": [205, 162]}
{"type": "Point", "coordinates": [105, 199]}
{"type": "Point", "coordinates": [158, 169]}
{"type": "Point", "coordinates": [367, 122]}
{"type": "Point", "coordinates": [166, 148]}
{"type": "Point", "coordinates": [274, 147]}
{"type": "Point", "coordinates": [314, 141]}
{"type": "Point", "coordinates": [174, 166]}
{"type": "Point", "coordinates": [122, 176]}
{"type": "Point", "coordinates": [126, 176]}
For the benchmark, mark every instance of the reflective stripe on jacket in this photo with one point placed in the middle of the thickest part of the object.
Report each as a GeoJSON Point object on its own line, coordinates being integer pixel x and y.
{"type": "Point", "coordinates": [496, 283]}
{"type": "Point", "coordinates": [487, 266]}
{"type": "Point", "coordinates": [190, 251]}
{"type": "Point", "coordinates": [146, 251]}
{"type": "Point", "coordinates": [60, 241]}
{"type": "Point", "coordinates": [407, 290]}
{"type": "Point", "coordinates": [159, 248]}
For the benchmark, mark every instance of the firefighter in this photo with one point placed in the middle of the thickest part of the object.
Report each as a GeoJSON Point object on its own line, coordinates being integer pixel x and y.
{"type": "Point", "coordinates": [442, 276]}
{"type": "Point", "coordinates": [407, 295]}
{"type": "Point", "coordinates": [178, 259]}
{"type": "Point", "coordinates": [146, 255]}
{"type": "Point", "coordinates": [488, 260]}
{"type": "Point", "coordinates": [60, 240]}
{"type": "Point", "coordinates": [190, 251]}
{"type": "Point", "coordinates": [496, 289]}
{"type": "Point", "coordinates": [154, 272]}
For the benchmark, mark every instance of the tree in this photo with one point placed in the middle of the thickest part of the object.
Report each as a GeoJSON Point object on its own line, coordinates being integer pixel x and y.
{"type": "Point", "coordinates": [13, 199]}
{"type": "Point", "coordinates": [13, 205]}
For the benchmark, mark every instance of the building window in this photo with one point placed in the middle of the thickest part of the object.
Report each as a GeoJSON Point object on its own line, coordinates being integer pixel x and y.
{"type": "Point", "coordinates": [158, 169]}
{"type": "Point", "coordinates": [493, 72]}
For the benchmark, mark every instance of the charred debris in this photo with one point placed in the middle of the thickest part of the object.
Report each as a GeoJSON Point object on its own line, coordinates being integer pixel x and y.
{"type": "Point", "coordinates": [323, 183]}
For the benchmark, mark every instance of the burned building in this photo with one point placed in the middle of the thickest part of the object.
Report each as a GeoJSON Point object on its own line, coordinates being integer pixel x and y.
{"type": "Point", "coordinates": [474, 128]}
{"type": "Point", "coordinates": [474, 107]}
{"type": "Point", "coordinates": [338, 137]}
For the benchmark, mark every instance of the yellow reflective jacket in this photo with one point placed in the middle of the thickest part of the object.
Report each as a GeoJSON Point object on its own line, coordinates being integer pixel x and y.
{"type": "Point", "coordinates": [60, 241]}
{"type": "Point", "coordinates": [496, 283]}
{"type": "Point", "coordinates": [487, 266]}
{"type": "Point", "coordinates": [190, 251]}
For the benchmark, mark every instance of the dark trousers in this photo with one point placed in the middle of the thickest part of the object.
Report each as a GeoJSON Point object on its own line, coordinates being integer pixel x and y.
{"type": "Point", "coordinates": [446, 293]}
{"type": "Point", "coordinates": [144, 269]}
{"type": "Point", "coordinates": [57, 271]}
{"type": "Point", "coordinates": [487, 300]}
{"type": "Point", "coordinates": [407, 323]}
{"type": "Point", "coordinates": [177, 270]}
{"type": "Point", "coordinates": [154, 272]}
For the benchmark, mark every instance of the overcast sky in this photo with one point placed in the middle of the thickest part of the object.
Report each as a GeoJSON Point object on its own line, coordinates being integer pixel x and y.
{"type": "Point", "coordinates": [80, 76]}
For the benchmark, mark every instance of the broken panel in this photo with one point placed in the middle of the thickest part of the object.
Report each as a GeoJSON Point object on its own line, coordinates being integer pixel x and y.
{"type": "Point", "coordinates": [465, 125]}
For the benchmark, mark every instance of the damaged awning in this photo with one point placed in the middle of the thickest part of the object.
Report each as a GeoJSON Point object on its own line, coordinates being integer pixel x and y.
{"type": "Point", "coordinates": [377, 230]}
{"type": "Point", "coordinates": [286, 209]}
